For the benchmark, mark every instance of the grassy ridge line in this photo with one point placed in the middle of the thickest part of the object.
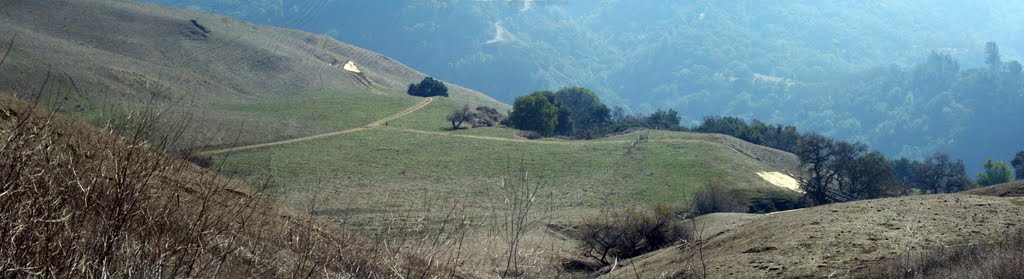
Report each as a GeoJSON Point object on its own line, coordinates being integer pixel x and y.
{"type": "Point", "coordinates": [485, 137]}
{"type": "Point", "coordinates": [356, 168]}
{"type": "Point", "coordinates": [546, 141]}
{"type": "Point", "coordinates": [301, 139]}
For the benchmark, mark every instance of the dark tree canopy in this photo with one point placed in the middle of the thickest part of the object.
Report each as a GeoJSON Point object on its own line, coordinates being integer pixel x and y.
{"type": "Point", "coordinates": [939, 173]}
{"type": "Point", "coordinates": [658, 120]}
{"type": "Point", "coordinates": [873, 177]}
{"type": "Point", "coordinates": [996, 172]}
{"type": "Point", "coordinates": [842, 171]}
{"type": "Point", "coordinates": [844, 164]}
{"type": "Point", "coordinates": [579, 113]}
{"type": "Point", "coordinates": [534, 112]}
{"type": "Point", "coordinates": [815, 153]}
{"type": "Point", "coordinates": [429, 87]}
{"type": "Point", "coordinates": [1014, 67]}
{"type": "Point", "coordinates": [905, 172]}
{"type": "Point", "coordinates": [936, 74]}
{"type": "Point", "coordinates": [664, 120]}
{"type": "Point", "coordinates": [992, 57]}
{"type": "Point", "coordinates": [584, 110]}
{"type": "Point", "coordinates": [775, 136]}
{"type": "Point", "coordinates": [1018, 164]}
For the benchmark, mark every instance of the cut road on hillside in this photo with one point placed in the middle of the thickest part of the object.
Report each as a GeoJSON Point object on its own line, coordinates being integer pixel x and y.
{"type": "Point", "coordinates": [379, 122]}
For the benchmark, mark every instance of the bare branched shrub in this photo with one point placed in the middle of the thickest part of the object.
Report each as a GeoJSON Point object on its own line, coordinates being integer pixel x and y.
{"type": "Point", "coordinates": [516, 213]}
{"type": "Point", "coordinates": [715, 198]}
{"type": "Point", "coordinates": [621, 234]}
{"type": "Point", "coordinates": [457, 116]}
{"type": "Point", "coordinates": [426, 241]}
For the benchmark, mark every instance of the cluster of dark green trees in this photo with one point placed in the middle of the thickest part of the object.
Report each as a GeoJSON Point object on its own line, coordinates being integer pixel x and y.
{"type": "Point", "coordinates": [966, 112]}
{"type": "Point", "coordinates": [840, 170]}
{"type": "Point", "coordinates": [658, 120]}
{"type": "Point", "coordinates": [577, 112]}
{"type": "Point", "coordinates": [428, 87]}
{"type": "Point", "coordinates": [780, 137]}
{"type": "Point", "coordinates": [996, 172]}
{"type": "Point", "coordinates": [1018, 164]}
{"type": "Point", "coordinates": [934, 105]}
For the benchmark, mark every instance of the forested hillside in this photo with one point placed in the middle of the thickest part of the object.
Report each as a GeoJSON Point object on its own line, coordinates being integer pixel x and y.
{"type": "Point", "coordinates": [842, 69]}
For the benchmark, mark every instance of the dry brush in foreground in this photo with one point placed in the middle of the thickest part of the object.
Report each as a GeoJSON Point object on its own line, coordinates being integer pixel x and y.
{"type": "Point", "coordinates": [76, 202]}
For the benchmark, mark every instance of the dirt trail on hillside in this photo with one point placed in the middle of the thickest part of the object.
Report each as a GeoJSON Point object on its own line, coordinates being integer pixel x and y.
{"type": "Point", "coordinates": [317, 136]}
{"type": "Point", "coordinates": [377, 125]}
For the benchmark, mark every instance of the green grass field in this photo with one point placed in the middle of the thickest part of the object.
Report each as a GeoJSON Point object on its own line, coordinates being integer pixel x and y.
{"type": "Point", "coordinates": [309, 113]}
{"type": "Point", "coordinates": [244, 121]}
{"type": "Point", "coordinates": [432, 118]}
{"type": "Point", "coordinates": [361, 175]}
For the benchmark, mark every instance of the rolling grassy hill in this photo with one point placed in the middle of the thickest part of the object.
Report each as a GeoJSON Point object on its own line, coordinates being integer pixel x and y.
{"type": "Point", "coordinates": [392, 168]}
{"type": "Point", "coordinates": [228, 77]}
{"type": "Point", "coordinates": [234, 84]}
{"type": "Point", "coordinates": [238, 84]}
{"type": "Point", "coordinates": [835, 240]}
{"type": "Point", "coordinates": [276, 108]}
{"type": "Point", "coordinates": [79, 202]}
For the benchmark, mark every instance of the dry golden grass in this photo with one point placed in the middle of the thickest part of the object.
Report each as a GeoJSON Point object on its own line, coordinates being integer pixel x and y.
{"type": "Point", "coordinates": [77, 202]}
{"type": "Point", "coordinates": [838, 240]}
{"type": "Point", "coordinates": [1002, 259]}
{"type": "Point", "coordinates": [1009, 189]}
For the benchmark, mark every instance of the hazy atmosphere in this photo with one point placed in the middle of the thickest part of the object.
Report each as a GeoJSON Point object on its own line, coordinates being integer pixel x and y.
{"type": "Point", "coordinates": [844, 69]}
{"type": "Point", "coordinates": [511, 139]}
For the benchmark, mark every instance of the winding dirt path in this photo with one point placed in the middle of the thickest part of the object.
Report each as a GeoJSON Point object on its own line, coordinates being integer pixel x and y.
{"type": "Point", "coordinates": [377, 123]}
{"type": "Point", "coordinates": [424, 103]}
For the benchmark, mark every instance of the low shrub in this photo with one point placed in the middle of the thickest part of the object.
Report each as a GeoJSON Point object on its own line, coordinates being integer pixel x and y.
{"type": "Point", "coordinates": [772, 201]}
{"type": "Point", "coordinates": [715, 198]}
{"type": "Point", "coordinates": [530, 135]}
{"type": "Point", "coordinates": [622, 234]}
{"type": "Point", "coordinates": [484, 116]}
{"type": "Point", "coordinates": [481, 116]}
